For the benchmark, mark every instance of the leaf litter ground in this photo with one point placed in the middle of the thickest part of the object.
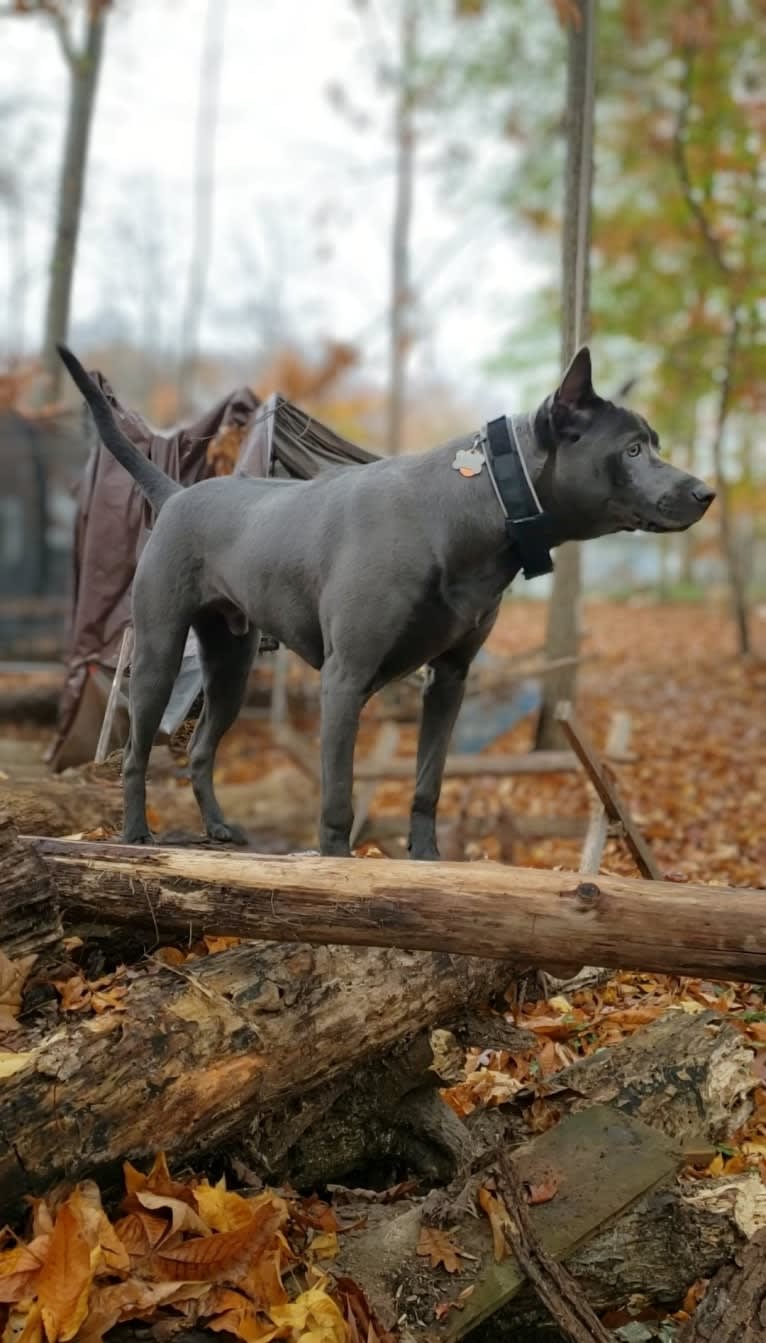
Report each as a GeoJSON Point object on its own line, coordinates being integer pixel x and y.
{"type": "Point", "coordinates": [179, 1252]}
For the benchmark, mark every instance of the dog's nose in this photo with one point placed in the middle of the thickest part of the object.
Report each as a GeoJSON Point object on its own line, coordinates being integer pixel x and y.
{"type": "Point", "coordinates": [704, 495]}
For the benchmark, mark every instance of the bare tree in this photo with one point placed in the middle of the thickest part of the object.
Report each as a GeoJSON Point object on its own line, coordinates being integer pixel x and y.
{"type": "Point", "coordinates": [563, 630]}
{"type": "Point", "coordinates": [83, 60]}
{"type": "Point", "coordinates": [204, 193]}
{"type": "Point", "coordinates": [401, 282]}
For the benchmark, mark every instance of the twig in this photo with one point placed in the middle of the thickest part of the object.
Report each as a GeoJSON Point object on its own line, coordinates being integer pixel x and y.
{"type": "Point", "coordinates": [558, 1292]}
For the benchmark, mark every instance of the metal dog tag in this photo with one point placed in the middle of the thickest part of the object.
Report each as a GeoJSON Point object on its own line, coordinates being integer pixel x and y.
{"type": "Point", "coordinates": [468, 461]}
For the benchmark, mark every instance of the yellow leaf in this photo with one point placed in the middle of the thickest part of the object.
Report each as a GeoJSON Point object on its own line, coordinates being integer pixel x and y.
{"type": "Point", "coordinates": [65, 1278]}
{"type": "Point", "coordinates": [314, 1318]}
{"type": "Point", "coordinates": [222, 1209]}
{"type": "Point", "coordinates": [324, 1246]}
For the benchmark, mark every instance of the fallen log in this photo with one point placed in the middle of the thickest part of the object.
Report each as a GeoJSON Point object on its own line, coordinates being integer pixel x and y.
{"type": "Point", "coordinates": [528, 916]}
{"type": "Point", "coordinates": [193, 1055]}
{"type": "Point", "coordinates": [30, 922]}
{"type": "Point", "coordinates": [733, 1309]}
{"type": "Point", "coordinates": [61, 805]}
{"type": "Point", "coordinates": [687, 1078]}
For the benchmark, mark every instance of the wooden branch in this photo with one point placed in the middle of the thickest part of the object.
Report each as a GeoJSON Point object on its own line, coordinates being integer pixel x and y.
{"type": "Point", "coordinates": [605, 785]}
{"type": "Point", "coordinates": [529, 916]}
{"type": "Point", "coordinates": [478, 766]}
{"type": "Point", "coordinates": [105, 735]}
{"type": "Point", "coordinates": [61, 29]}
{"type": "Point", "coordinates": [598, 827]}
{"type": "Point", "coordinates": [61, 805]}
{"type": "Point", "coordinates": [558, 1292]}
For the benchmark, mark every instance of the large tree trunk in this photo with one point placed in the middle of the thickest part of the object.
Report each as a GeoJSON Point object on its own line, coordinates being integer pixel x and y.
{"type": "Point", "coordinates": [525, 915]}
{"type": "Point", "coordinates": [195, 1055]}
{"type": "Point", "coordinates": [84, 68]}
{"type": "Point", "coordinates": [563, 631]}
{"type": "Point", "coordinates": [401, 297]}
{"type": "Point", "coordinates": [729, 550]}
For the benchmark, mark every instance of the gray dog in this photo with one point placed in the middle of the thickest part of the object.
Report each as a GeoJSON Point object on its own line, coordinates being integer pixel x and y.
{"type": "Point", "coordinates": [370, 572]}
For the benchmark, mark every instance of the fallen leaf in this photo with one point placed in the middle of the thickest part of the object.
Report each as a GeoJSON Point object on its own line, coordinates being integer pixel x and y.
{"type": "Point", "coordinates": [314, 1317]}
{"type": "Point", "coordinates": [223, 1210]}
{"type": "Point", "coordinates": [203, 1258]}
{"type": "Point", "coordinates": [230, 1312]}
{"type": "Point", "coordinates": [19, 1267]}
{"type": "Point", "coordinates": [65, 1278]}
{"type": "Point", "coordinates": [436, 1245]}
{"type": "Point", "coordinates": [498, 1219]}
{"type": "Point", "coordinates": [182, 1215]}
{"type": "Point", "coordinates": [324, 1246]}
{"type": "Point", "coordinates": [13, 976]}
{"type": "Point", "coordinates": [543, 1192]}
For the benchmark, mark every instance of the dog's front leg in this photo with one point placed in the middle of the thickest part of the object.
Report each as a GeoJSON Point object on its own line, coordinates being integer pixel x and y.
{"type": "Point", "coordinates": [441, 704]}
{"type": "Point", "coordinates": [341, 704]}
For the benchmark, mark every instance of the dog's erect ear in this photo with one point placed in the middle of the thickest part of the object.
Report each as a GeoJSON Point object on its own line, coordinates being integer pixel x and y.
{"type": "Point", "coordinates": [576, 387]}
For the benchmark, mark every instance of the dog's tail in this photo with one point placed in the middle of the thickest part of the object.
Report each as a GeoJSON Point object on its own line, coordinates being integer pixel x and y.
{"type": "Point", "coordinates": [155, 484]}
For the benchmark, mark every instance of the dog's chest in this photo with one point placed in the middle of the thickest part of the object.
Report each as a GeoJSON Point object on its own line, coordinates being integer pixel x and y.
{"type": "Point", "coordinates": [444, 615]}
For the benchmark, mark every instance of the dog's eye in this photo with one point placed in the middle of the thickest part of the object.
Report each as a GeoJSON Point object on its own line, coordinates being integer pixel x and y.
{"type": "Point", "coordinates": [634, 450]}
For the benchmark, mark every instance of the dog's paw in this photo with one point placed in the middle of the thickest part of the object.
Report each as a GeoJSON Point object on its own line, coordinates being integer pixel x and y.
{"type": "Point", "coordinates": [226, 834]}
{"type": "Point", "coordinates": [426, 853]}
{"type": "Point", "coordinates": [144, 837]}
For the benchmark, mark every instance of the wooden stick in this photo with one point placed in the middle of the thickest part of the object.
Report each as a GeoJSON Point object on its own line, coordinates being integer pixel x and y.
{"type": "Point", "coordinates": [603, 781]}
{"type": "Point", "coordinates": [559, 1293]}
{"type": "Point", "coordinates": [528, 916]}
{"type": "Point", "coordinates": [617, 742]}
{"type": "Point", "coordinates": [105, 735]}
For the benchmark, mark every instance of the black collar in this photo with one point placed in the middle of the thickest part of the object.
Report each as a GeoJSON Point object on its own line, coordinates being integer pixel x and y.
{"type": "Point", "coordinates": [528, 528]}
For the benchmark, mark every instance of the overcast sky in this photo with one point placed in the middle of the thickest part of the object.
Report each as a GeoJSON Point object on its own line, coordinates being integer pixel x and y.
{"type": "Point", "coordinates": [302, 197]}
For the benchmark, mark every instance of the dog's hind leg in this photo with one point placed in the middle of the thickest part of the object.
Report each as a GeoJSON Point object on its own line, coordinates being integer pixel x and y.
{"type": "Point", "coordinates": [342, 701]}
{"type": "Point", "coordinates": [158, 651]}
{"type": "Point", "coordinates": [226, 661]}
{"type": "Point", "coordinates": [442, 699]}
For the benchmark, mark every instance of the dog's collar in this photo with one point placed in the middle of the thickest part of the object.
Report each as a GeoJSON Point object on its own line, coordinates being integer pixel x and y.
{"type": "Point", "coordinates": [527, 525]}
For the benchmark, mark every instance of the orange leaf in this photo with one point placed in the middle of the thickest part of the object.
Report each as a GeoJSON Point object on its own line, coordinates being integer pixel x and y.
{"type": "Point", "coordinates": [498, 1220]}
{"type": "Point", "coordinates": [19, 1267]}
{"type": "Point", "coordinates": [543, 1192]}
{"type": "Point", "coordinates": [204, 1258]}
{"type": "Point", "coordinates": [65, 1278]}
{"type": "Point", "coordinates": [436, 1245]}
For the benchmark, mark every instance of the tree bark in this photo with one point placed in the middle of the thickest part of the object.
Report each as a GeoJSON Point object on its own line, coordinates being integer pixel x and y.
{"type": "Point", "coordinates": [563, 629]}
{"type": "Point", "coordinates": [528, 916]}
{"type": "Point", "coordinates": [737, 589]}
{"type": "Point", "coordinates": [733, 1309]}
{"type": "Point", "coordinates": [84, 68]}
{"type": "Point", "coordinates": [195, 1055]}
{"type": "Point", "coordinates": [29, 914]}
{"type": "Point", "coordinates": [60, 806]}
{"type": "Point", "coordinates": [401, 298]}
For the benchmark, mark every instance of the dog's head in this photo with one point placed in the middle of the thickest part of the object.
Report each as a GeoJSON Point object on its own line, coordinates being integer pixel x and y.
{"type": "Point", "coordinates": [602, 471]}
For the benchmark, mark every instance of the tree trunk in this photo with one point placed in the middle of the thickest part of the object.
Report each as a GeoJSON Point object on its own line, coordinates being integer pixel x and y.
{"type": "Point", "coordinates": [208, 87]}
{"type": "Point", "coordinates": [29, 914]}
{"type": "Point", "coordinates": [84, 68]}
{"type": "Point", "coordinates": [563, 631]}
{"type": "Point", "coordinates": [726, 526]}
{"type": "Point", "coordinates": [195, 1055]}
{"type": "Point", "coordinates": [527, 916]}
{"type": "Point", "coordinates": [401, 297]}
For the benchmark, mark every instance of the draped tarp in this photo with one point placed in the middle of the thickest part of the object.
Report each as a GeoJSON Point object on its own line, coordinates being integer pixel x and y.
{"type": "Point", "coordinates": [276, 438]}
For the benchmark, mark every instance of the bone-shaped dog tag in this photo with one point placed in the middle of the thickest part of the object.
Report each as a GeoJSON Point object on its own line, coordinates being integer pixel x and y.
{"type": "Point", "coordinates": [468, 461]}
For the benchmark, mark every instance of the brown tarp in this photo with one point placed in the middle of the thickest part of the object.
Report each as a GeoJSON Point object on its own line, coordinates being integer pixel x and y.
{"type": "Point", "coordinates": [276, 438]}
